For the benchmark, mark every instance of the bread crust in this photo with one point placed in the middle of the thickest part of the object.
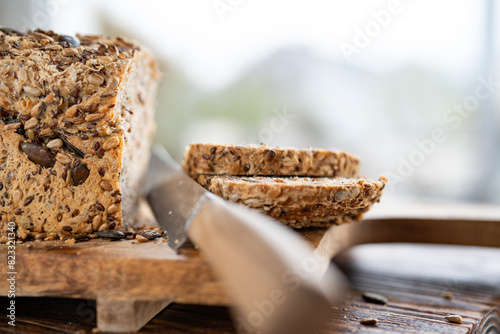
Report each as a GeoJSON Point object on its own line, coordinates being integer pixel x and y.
{"type": "Point", "coordinates": [261, 160]}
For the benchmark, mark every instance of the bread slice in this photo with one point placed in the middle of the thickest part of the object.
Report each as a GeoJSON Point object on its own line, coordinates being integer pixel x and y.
{"type": "Point", "coordinates": [261, 160]}
{"type": "Point", "coordinates": [299, 201]}
{"type": "Point", "coordinates": [75, 128]}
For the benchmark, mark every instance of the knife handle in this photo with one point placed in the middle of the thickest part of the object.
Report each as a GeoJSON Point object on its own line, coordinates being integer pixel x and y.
{"type": "Point", "coordinates": [277, 283]}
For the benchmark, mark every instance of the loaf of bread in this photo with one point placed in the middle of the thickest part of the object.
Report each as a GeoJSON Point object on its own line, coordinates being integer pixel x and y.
{"type": "Point", "coordinates": [75, 128]}
{"type": "Point", "coordinates": [261, 160]}
{"type": "Point", "coordinates": [299, 201]}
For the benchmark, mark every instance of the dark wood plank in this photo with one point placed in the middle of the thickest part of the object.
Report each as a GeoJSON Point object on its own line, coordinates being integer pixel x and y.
{"type": "Point", "coordinates": [414, 279]}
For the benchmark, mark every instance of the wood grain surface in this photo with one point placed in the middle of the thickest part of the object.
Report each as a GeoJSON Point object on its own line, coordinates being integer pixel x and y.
{"type": "Point", "coordinates": [413, 278]}
{"type": "Point", "coordinates": [137, 280]}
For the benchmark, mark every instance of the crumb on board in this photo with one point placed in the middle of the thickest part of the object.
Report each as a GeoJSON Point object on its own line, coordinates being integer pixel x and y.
{"type": "Point", "coordinates": [369, 321]}
{"type": "Point", "coordinates": [448, 295]}
{"type": "Point", "coordinates": [70, 241]}
{"type": "Point", "coordinates": [140, 238]}
{"type": "Point", "coordinates": [454, 318]}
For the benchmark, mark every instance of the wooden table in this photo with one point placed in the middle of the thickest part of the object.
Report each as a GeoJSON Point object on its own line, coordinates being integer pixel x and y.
{"type": "Point", "coordinates": [413, 278]}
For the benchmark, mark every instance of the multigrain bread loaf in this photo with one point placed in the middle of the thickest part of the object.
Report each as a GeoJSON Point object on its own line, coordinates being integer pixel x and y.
{"type": "Point", "coordinates": [75, 128]}
{"type": "Point", "coordinates": [299, 201]}
{"type": "Point", "coordinates": [251, 160]}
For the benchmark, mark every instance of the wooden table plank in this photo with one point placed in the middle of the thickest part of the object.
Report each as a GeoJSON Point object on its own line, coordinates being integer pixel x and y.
{"type": "Point", "coordinates": [412, 277]}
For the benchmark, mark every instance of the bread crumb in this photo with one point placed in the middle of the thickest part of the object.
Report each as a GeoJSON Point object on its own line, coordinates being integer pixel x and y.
{"type": "Point", "coordinates": [448, 295]}
{"type": "Point", "coordinates": [140, 238]}
{"type": "Point", "coordinates": [51, 236]}
{"type": "Point", "coordinates": [70, 241]}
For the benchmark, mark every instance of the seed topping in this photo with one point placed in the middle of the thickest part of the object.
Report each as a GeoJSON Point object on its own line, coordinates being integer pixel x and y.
{"type": "Point", "coordinates": [106, 185]}
{"type": "Point", "coordinates": [55, 144]}
{"type": "Point", "coordinates": [111, 143]}
{"type": "Point", "coordinates": [31, 123]}
{"type": "Point", "coordinates": [63, 158]}
{"type": "Point", "coordinates": [96, 79]}
{"type": "Point", "coordinates": [80, 174]}
{"type": "Point", "coordinates": [67, 193]}
{"type": "Point", "coordinates": [32, 91]}
{"type": "Point", "coordinates": [37, 154]}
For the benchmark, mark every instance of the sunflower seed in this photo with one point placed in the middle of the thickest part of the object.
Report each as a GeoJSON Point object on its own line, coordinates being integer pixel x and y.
{"type": "Point", "coordinates": [63, 158]}
{"type": "Point", "coordinates": [96, 222]}
{"type": "Point", "coordinates": [17, 196]}
{"type": "Point", "coordinates": [71, 112]}
{"type": "Point", "coordinates": [67, 193]}
{"type": "Point", "coordinates": [31, 123]}
{"type": "Point", "coordinates": [55, 144]}
{"type": "Point", "coordinates": [113, 83]}
{"type": "Point", "coordinates": [69, 52]}
{"type": "Point", "coordinates": [46, 132]}
{"type": "Point", "coordinates": [369, 321]}
{"type": "Point", "coordinates": [454, 318]}
{"type": "Point", "coordinates": [96, 79]}
{"type": "Point", "coordinates": [30, 134]}
{"type": "Point", "coordinates": [341, 195]}
{"type": "Point", "coordinates": [32, 91]}
{"type": "Point", "coordinates": [93, 117]}
{"type": "Point", "coordinates": [111, 143]}
{"type": "Point", "coordinates": [113, 208]}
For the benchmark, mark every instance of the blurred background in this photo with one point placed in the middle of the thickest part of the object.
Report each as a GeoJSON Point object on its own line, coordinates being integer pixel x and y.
{"type": "Point", "coordinates": [411, 87]}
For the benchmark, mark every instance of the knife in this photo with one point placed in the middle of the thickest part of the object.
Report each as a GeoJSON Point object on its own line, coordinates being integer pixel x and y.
{"type": "Point", "coordinates": [276, 282]}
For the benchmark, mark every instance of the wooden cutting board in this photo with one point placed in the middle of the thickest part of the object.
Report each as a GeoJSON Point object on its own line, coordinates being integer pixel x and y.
{"type": "Point", "coordinates": [131, 282]}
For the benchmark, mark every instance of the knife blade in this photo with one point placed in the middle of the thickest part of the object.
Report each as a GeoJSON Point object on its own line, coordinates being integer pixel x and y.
{"type": "Point", "coordinates": [275, 280]}
{"type": "Point", "coordinates": [172, 195]}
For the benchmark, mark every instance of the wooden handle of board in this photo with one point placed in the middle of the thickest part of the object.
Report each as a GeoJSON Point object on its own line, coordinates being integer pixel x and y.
{"type": "Point", "coordinates": [272, 274]}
